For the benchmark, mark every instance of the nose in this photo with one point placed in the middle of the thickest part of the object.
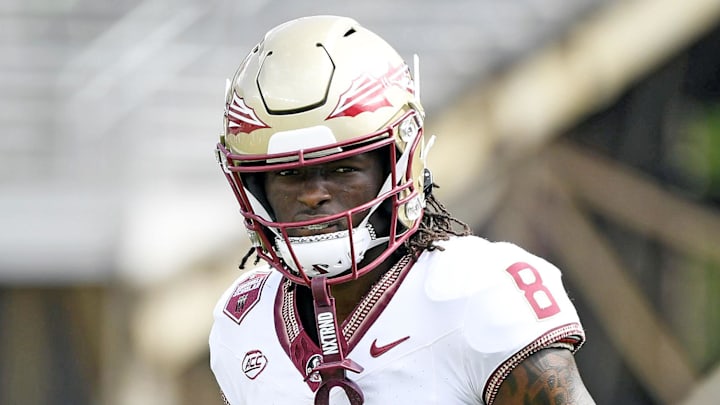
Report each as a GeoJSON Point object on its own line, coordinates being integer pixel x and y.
{"type": "Point", "coordinates": [313, 191]}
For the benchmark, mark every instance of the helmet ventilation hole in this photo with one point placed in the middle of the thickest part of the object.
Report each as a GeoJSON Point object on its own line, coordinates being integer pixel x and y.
{"type": "Point", "coordinates": [349, 32]}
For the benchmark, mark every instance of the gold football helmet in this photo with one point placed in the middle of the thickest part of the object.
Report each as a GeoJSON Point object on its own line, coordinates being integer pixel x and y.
{"type": "Point", "coordinates": [314, 90]}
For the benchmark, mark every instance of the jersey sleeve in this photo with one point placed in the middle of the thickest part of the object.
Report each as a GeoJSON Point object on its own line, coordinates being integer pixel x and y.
{"type": "Point", "coordinates": [232, 307]}
{"type": "Point", "coordinates": [526, 310]}
{"type": "Point", "coordinates": [221, 358]}
{"type": "Point", "coordinates": [521, 299]}
{"type": "Point", "coordinates": [515, 304]}
{"type": "Point", "coordinates": [222, 368]}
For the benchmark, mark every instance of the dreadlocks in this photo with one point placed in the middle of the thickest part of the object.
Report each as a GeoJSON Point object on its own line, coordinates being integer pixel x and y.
{"type": "Point", "coordinates": [437, 224]}
{"type": "Point", "coordinates": [247, 257]}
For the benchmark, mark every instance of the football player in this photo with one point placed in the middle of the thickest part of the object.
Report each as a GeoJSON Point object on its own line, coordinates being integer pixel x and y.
{"type": "Point", "coordinates": [368, 294]}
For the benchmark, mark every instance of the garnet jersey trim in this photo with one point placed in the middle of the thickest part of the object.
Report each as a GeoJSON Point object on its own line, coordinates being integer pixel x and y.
{"type": "Point", "coordinates": [296, 342]}
{"type": "Point", "coordinates": [572, 334]}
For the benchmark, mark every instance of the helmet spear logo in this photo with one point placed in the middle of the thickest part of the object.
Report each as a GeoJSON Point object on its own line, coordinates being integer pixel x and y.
{"type": "Point", "coordinates": [367, 93]}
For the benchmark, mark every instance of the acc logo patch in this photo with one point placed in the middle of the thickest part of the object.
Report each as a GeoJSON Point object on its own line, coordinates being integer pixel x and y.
{"type": "Point", "coordinates": [254, 363]}
{"type": "Point", "coordinates": [245, 296]}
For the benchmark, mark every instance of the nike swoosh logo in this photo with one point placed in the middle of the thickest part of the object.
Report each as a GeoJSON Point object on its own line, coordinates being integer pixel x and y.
{"type": "Point", "coordinates": [377, 351]}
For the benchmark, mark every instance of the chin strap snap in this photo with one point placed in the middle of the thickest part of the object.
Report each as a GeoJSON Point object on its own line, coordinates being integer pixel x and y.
{"type": "Point", "coordinates": [334, 366]}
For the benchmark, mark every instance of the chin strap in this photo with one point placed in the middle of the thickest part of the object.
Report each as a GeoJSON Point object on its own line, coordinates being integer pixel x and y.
{"type": "Point", "coordinates": [332, 344]}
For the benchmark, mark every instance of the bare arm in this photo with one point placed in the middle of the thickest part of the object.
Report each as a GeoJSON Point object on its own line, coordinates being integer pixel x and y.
{"type": "Point", "coordinates": [549, 376]}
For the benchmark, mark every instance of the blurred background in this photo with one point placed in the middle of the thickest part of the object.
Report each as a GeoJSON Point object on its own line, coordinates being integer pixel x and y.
{"type": "Point", "coordinates": [587, 131]}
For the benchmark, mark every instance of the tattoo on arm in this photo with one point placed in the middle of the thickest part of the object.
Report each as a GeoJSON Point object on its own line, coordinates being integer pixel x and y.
{"type": "Point", "coordinates": [549, 376]}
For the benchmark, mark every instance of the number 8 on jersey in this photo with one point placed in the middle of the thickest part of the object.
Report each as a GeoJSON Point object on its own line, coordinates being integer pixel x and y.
{"type": "Point", "coordinates": [528, 280]}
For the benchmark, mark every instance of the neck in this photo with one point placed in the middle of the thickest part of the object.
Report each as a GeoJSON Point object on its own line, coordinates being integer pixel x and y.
{"type": "Point", "coordinates": [348, 295]}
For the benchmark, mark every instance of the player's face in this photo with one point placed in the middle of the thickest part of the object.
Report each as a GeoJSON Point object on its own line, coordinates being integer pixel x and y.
{"type": "Point", "coordinates": [321, 190]}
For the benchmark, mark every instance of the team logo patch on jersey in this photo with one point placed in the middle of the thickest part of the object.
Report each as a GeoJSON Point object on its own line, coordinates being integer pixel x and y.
{"type": "Point", "coordinates": [313, 361]}
{"type": "Point", "coordinates": [254, 363]}
{"type": "Point", "coordinates": [245, 296]}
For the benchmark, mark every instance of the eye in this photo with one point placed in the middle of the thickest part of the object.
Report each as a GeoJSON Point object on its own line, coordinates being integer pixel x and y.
{"type": "Point", "coordinates": [345, 169]}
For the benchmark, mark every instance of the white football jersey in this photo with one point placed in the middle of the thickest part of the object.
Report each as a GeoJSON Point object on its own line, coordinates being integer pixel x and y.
{"type": "Point", "coordinates": [445, 329]}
